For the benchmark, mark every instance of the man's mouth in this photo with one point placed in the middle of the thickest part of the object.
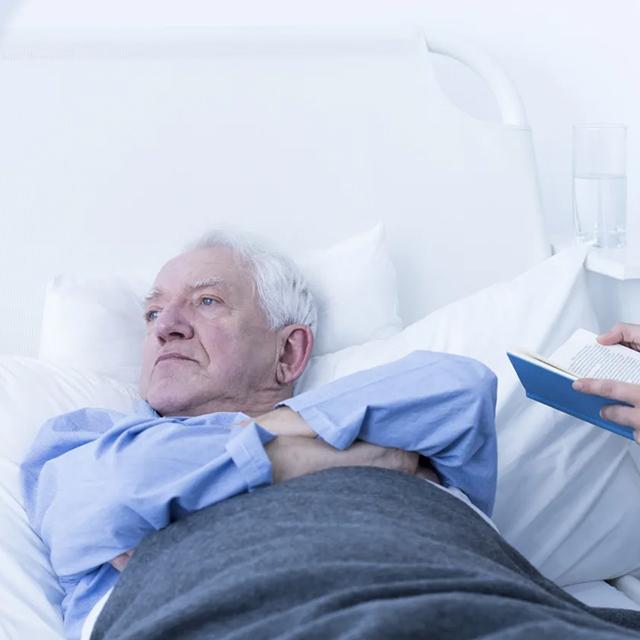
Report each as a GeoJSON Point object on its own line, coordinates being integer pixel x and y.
{"type": "Point", "coordinates": [173, 356]}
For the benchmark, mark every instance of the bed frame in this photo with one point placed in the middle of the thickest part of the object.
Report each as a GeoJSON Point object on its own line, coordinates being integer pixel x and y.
{"type": "Point", "coordinates": [120, 146]}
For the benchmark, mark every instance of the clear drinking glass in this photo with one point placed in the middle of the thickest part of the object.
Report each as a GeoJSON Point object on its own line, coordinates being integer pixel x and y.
{"type": "Point", "coordinates": [600, 184]}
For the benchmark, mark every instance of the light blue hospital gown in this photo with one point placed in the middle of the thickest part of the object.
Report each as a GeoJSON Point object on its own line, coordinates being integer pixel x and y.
{"type": "Point", "coordinates": [96, 482]}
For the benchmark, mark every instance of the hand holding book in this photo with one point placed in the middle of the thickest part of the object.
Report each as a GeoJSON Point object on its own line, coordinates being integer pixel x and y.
{"type": "Point", "coordinates": [594, 378]}
{"type": "Point", "coordinates": [627, 335]}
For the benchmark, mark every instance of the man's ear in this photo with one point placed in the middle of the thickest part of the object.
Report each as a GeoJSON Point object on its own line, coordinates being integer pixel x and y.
{"type": "Point", "coordinates": [295, 350]}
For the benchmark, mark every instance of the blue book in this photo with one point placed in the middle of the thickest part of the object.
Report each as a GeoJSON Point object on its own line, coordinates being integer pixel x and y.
{"type": "Point", "coordinates": [549, 380]}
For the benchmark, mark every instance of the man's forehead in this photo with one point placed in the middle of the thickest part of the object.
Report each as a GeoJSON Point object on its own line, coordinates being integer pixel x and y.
{"type": "Point", "coordinates": [215, 267]}
{"type": "Point", "coordinates": [204, 283]}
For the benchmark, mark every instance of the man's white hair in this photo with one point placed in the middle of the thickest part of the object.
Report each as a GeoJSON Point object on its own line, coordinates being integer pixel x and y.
{"type": "Point", "coordinates": [283, 292]}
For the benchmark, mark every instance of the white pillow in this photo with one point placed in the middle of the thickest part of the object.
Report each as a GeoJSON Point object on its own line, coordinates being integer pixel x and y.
{"type": "Point", "coordinates": [568, 493]}
{"type": "Point", "coordinates": [95, 323]}
{"type": "Point", "coordinates": [355, 288]}
{"type": "Point", "coordinates": [30, 393]}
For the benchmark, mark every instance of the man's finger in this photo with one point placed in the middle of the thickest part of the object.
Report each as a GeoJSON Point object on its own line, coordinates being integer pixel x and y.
{"type": "Point", "coordinates": [622, 391]}
{"type": "Point", "coordinates": [625, 416]}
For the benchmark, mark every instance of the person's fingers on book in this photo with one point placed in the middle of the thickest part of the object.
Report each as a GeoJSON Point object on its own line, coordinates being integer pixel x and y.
{"type": "Point", "coordinates": [622, 333]}
{"type": "Point", "coordinates": [613, 336]}
{"type": "Point", "coordinates": [625, 416]}
{"type": "Point", "coordinates": [623, 391]}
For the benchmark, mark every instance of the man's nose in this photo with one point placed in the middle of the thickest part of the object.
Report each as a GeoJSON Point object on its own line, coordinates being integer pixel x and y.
{"type": "Point", "coordinates": [173, 323]}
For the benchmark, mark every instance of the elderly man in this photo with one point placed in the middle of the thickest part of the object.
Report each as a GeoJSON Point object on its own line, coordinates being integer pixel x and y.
{"type": "Point", "coordinates": [230, 330]}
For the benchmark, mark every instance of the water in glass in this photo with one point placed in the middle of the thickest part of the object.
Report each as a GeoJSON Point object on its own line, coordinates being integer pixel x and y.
{"type": "Point", "coordinates": [599, 205]}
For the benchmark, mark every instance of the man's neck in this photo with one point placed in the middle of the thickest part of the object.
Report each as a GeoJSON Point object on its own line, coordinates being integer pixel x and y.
{"type": "Point", "coordinates": [258, 404]}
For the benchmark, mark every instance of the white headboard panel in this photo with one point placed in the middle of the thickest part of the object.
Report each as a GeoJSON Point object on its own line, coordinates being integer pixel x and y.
{"type": "Point", "coordinates": [116, 148]}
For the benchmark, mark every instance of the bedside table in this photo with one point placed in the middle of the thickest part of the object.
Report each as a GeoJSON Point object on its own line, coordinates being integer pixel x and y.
{"type": "Point", "coordinates": [614, 285]}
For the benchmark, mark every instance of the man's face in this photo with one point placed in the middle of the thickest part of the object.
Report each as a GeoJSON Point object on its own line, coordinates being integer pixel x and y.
{"type": "Point", "coordinates": [208, 347]}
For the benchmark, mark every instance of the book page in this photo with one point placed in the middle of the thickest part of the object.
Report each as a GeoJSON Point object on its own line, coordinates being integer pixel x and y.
{"type": "Point", "coordinates": [585, 358]}
{"type": "Point", "coordinates": [540, 361]}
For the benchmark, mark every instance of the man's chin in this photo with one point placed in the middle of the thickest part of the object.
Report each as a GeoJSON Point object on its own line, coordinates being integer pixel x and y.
{"type": "Point", "coordinates": [168, 405]}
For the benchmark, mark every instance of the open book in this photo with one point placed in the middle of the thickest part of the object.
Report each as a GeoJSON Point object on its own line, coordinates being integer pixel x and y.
{"type": "Point", "coordinates": [548, 380]}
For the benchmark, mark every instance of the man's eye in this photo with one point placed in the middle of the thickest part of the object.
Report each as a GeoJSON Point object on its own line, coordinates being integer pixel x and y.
{"type": "Point", "coordinates": [151, 315]}
{"type": "Point", "coordinates": [207, 301]}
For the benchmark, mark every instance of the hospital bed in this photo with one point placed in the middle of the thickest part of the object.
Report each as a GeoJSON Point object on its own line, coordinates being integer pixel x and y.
{"type": "Point", "coordinates": [418, 225]}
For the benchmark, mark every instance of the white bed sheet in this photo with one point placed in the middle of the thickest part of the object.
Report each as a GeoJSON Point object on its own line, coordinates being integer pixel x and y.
{"type": "Point", "coordinates": [89, 623]}
{"type": "Point", "coordinates": [599, 593]}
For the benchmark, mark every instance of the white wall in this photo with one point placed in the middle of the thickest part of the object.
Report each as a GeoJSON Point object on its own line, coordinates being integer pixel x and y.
{"type": "Point", "coordinates": [572, 60]}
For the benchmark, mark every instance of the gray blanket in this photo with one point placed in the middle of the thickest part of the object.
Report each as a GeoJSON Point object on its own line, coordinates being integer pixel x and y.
{"type": "Point", "coordinates": [344, 553]}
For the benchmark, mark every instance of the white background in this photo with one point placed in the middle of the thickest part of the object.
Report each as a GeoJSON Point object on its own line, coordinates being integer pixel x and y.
{"type": "Point", "coordinates": [572, 60]}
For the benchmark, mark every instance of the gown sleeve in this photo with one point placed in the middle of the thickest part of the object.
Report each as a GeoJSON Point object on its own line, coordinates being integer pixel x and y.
{"type": "Point", "coordinates": [439, 405]}
{"type": "Point", "coordinates": [95, 483]}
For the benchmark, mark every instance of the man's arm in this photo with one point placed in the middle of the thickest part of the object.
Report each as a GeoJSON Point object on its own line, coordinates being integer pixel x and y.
{"type": "Point", "coordinates": [439, 405]}
{"type": "Point", "coordinates": [283, 421]}
{"type": "Point", "coordinates": [96, 483]}
{"type": "Point", "coordinates": [93, 492]}
{"type": "Point", "coordinates": [293, 456]}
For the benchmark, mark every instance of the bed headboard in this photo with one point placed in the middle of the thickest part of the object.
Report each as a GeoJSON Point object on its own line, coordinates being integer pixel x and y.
{"type": "Point", "coordinates": [117, 147]}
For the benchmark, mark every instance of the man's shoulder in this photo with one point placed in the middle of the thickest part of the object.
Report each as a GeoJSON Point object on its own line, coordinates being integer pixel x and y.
{"type": "Point", "coordinates": [86, 419]}
{"type": "Point", "coordinates": [467, 366]}
{"type": "Point", "coordinates": [98, 419]}
{"type": "Point", "coordinates": [65, 432]}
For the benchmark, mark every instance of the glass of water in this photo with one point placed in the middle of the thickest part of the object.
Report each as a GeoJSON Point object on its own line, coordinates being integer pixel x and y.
{"type": "Point", "coordinates": [600, 184]}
